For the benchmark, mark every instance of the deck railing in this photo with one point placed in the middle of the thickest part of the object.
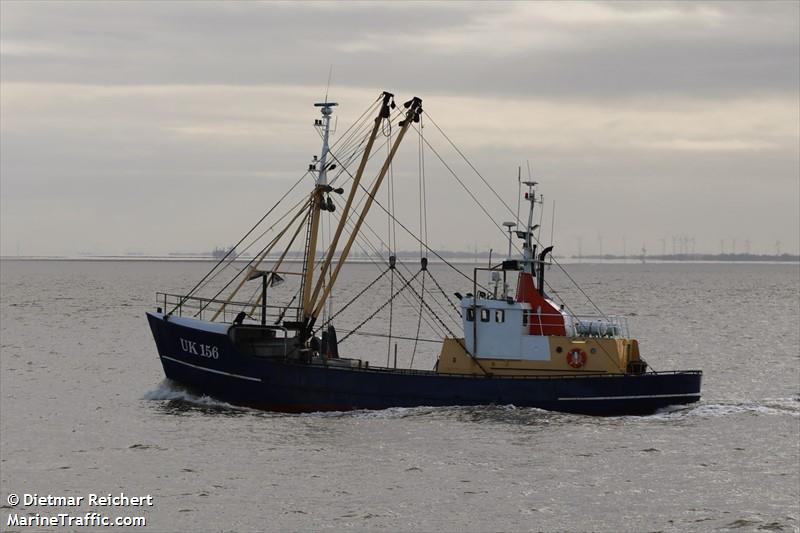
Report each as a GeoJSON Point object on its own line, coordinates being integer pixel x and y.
{"type": "Point", "coordinates": [206, 308]}
{"type": "Point", "coordinates": [581, 325]}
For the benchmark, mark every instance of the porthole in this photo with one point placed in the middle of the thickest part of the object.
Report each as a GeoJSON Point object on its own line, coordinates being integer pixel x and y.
{"type": "Point", "coordinates": [593, 350]}
{"type": "Point", "coordinates": [559, 349]}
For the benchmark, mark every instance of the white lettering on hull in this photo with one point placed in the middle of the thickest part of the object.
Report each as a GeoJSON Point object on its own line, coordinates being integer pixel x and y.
{"type": "Point", "coordinates": [208, 351]}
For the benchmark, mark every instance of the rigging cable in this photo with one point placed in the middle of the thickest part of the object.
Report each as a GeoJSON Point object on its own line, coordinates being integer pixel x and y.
{"type": "Point", "coordinates": [423, 231]}
{"type": "Point", "coordinates": [184, 298]}
{"type": "Point", "coordinates": [392, 243]}
{"type": "Point", "coordinates": [232, 260]}
{"type": "Point", "coordinates": [343, 168]}
{"type": "Point", "coordinates": [380, 254]}
{"type": "Point", "coordinates": [272, 243]}
{"type": "Point", "coordinates": [409, 232]}
{"type": "Point", "coordinates": [433, 314]}
{"type": "Point", "coordinates": [449, 300]}
{"type": "Point", "coordinates": [369, 334]}
{"type": "Point", "coordinates": [379, 309]}
{"type": "Point", "coordinates": [374, 252]}
{"type": "Point", "coordinates": [419, 319]}
{"type": "Point", "coordinates": [553, 259]}
{"type": "Point", "coordinates": [356, 297]}
{"type": "Point", "coordinates": [388, 245]}
{"type": "Point", "coordinates": [478, 203]}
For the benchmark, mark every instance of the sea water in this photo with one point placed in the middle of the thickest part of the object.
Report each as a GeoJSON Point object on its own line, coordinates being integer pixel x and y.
{"type": "Point", "coordinates": [85, 410]}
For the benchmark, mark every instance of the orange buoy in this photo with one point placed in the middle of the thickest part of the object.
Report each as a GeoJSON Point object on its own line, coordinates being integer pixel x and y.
{"type": "Point", "coordinates": [576, 358]}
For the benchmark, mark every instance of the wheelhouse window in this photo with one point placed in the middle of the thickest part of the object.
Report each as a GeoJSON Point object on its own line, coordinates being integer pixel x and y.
{"type": "Point", "coordinates": [471, 314]}
{"type": "Point", "coordinates": [500, 315]}
{"type": "Point", "coordinates": [484, 315]}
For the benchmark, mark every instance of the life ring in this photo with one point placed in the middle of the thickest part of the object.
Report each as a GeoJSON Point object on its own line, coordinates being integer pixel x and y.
{"type": "Point", "coordinates": [576, 358]}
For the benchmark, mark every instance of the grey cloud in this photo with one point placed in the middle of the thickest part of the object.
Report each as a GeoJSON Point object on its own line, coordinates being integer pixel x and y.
{"type": "Point", "coordinates": [707, 49]}
{"type": "Point", "coordinates": [647, 119]}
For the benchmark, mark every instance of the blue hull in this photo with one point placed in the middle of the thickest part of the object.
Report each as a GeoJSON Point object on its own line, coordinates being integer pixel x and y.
{"type": "Point", "coordinates": [201, 356]}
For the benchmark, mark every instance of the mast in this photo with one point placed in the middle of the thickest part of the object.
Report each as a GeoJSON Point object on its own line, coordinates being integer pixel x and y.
{"type": "Point", "coordinates": [414, 109]}
{"type": "Point", "coordinates": [320, 167]}
{"type": "Point", "coordinates": [383, 114]}
{"type": "Point", "coordinates": [314, 295]}
{"type": "Point", "coordinates": [528, 252]}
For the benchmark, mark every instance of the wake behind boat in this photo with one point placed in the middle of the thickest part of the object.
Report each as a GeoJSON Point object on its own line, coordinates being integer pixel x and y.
{"type": "Point", "coordinates": [519, 346]}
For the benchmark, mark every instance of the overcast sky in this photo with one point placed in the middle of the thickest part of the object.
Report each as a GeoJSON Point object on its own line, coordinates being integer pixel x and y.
{"type": "Point", "coordinates": [155, 127]}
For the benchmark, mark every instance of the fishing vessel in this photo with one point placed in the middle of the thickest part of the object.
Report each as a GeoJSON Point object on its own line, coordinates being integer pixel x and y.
{"type": "Point", "coordinates": [516, 342]}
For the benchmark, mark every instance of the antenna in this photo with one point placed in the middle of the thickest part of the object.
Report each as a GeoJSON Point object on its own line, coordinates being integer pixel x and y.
{"type": "Point", "coordinates": [541, 217]}
{"type": "Point", "coordinates": [319, 164]}
{"type": "Point", "coordinates": [519, 189]}
{"type": "Point", "coordinates": [327, 87]}
{"type": "Point", "coordinates": [553, 223]}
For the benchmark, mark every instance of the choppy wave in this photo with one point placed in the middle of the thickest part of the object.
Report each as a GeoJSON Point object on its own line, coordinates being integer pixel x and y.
{"type": "Point", "coordinates": [483, 414]}
{"type": "Point", "coordinates": [767, 406]}
{"type": "Point", "coordinates": [170, 391]}
{"type": "Point", "coordinates": [389, 413]}
{"type": "Point", "coordinates": [488, 413]}
{"type": "Point", "coordinates": [513, 414]}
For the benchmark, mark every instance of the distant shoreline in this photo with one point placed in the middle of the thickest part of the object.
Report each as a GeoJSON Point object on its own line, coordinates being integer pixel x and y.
{"type": "Point", "coordinates": [460, 259]}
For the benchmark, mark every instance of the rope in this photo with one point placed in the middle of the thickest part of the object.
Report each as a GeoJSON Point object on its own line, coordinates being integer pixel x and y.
{"type": "Point", "coordinates": [370, 317]}
{"type": "Point", "coordinates": [392, 240]}
{"type": "Point", "coordinates": [463, 186]}
{"type": "Point", "coordinates": [254, 241]}
{"type": "Point", "coordinates": [373, 252]}
{"type": "Point", "coordinates": [410, 233]}
{"type": "Point", "coordinates": [391, 316]}
{"type": "Point", "coordinates": [449, 300]}
{"type": "Point", "coordinates": [283, 313]}
{"type": "Point", "coordinates": [368, 334]}
{"type": "Point", "coordinates": [559, 265]}
{"type": "Point", "coordinates": [189, 294]}
{"type": "Point", "coordinates": [249, 263]}
{"type": "Point", "coordinates": [377, 252]}
{"type": "Point", "coordinates": [422, 300]}
{"type": "Point", "coordinates": [356, 297]}
{"type": "Point", "coordinates": [419, 322]}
